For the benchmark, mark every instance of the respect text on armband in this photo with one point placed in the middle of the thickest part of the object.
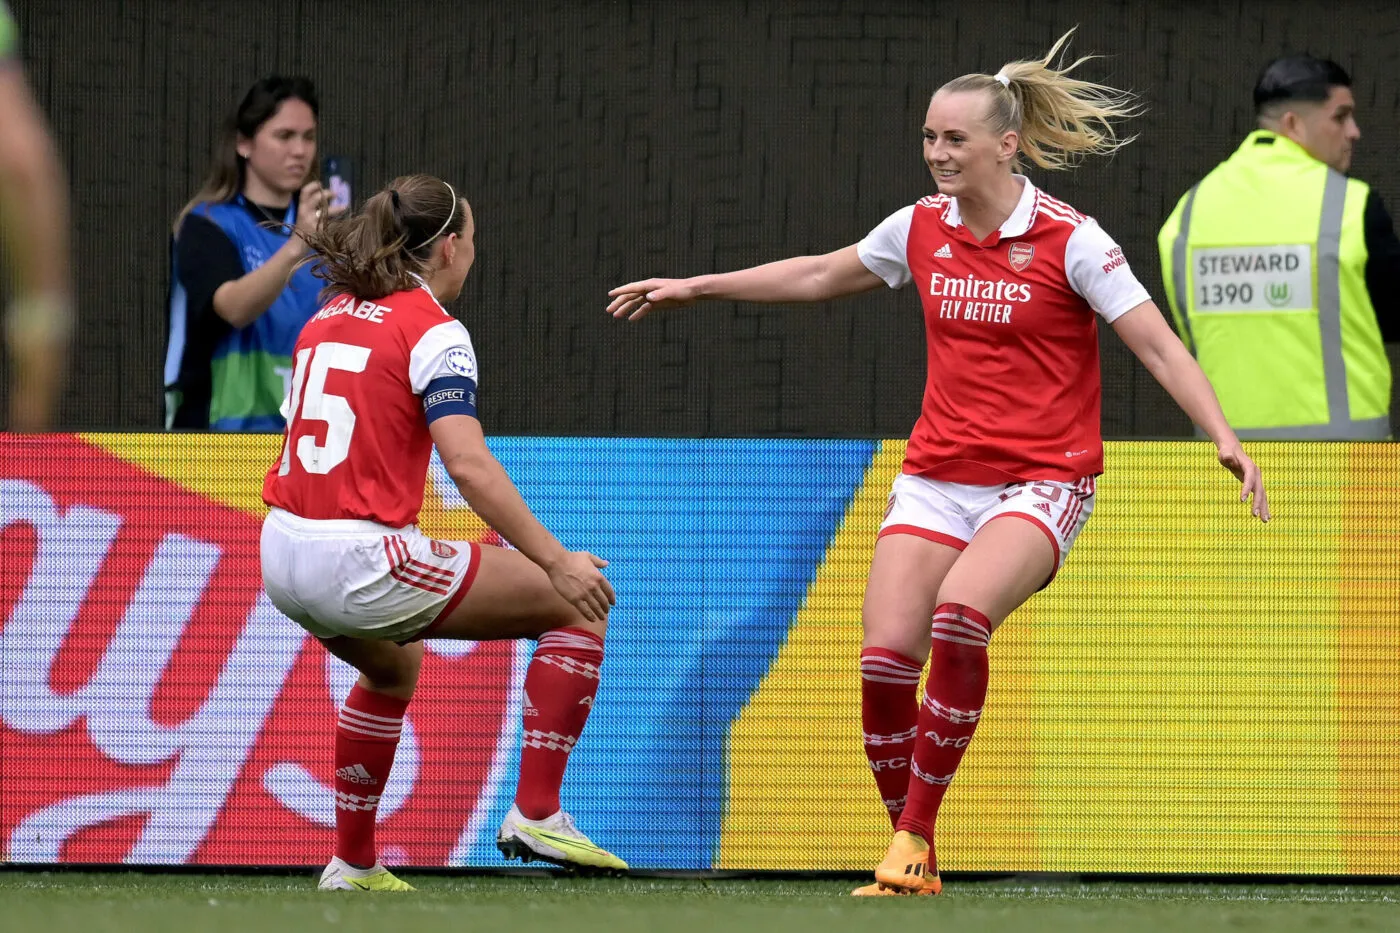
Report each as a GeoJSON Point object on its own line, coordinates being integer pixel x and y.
{"type": "Point", "coordinates": [450, 395]}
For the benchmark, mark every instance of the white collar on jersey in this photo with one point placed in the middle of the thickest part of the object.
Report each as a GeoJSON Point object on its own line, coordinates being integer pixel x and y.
{"type": "Point", "coordinates": [422, 283]}
{"type": "Point", "coordinates": [1021, 216]}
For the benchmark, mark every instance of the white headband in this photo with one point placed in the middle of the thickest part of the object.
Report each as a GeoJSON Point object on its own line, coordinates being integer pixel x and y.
{"type": "Point", "coordinates": [1005, 81]}
{"type": "Point", "coordinates": [450, 214]}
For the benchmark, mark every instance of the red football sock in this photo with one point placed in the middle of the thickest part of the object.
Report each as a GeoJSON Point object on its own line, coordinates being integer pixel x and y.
{"type": "Point", "coordinates": [559, 687]}
{"type": "Point", "coordinates": [889, 712]}
{"type": "Point", "coordinates": [953, 698]}
{"type": "Point", "coordinates": [366, 737]}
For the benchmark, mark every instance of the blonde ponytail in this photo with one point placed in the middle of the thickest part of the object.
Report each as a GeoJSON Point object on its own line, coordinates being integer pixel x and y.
{"type": "Point", "coordinates": [1060, 119]}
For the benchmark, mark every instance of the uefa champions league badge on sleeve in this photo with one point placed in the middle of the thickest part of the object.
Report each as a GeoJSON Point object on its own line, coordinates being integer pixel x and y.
{"type": "Point", "coordinates": [462, 362]}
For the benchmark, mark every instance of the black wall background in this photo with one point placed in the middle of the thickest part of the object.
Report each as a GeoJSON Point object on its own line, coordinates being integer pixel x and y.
{"type": "Point", "coordinates": [601, 142]}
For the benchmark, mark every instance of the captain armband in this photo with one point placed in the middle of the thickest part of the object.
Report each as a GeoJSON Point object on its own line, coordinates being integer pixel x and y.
{"type": "Point", "coordinates": [449, 395]}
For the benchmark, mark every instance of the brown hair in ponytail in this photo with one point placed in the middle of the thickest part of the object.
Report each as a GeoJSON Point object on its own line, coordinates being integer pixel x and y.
{"type": "Point", "coordinates": [378, 250]}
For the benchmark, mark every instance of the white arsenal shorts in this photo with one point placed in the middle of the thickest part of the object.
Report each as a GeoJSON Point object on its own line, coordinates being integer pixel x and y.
{"type": "Point", "coordinates": [362, 579]}
{"type": "Point", "coordinates": [951, 513]}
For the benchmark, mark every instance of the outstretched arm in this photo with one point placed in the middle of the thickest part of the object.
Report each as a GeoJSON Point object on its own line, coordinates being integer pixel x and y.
{"type": "Point", "coordinates": [1146, 333]}
{"type": "Point", "coordinates": [802, 278]}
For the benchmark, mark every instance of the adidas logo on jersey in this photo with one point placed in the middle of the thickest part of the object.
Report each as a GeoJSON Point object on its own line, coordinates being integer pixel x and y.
{"type": "Point", "coordinates": [1043, 507]}
{"type": "Point", "coordinates": [529, 706]}
{"type": "Point", "coordinates": [943, 252]}
{"type": "Point", "coordinates": [355, 774]}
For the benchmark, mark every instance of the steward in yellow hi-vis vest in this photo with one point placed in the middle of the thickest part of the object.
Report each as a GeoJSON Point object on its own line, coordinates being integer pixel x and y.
{"type": "Point", "coordinates": [1281, 271]}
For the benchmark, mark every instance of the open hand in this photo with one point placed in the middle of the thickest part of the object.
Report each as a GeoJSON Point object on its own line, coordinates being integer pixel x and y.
{"type": "Point", "coordinates": [579, 579]}
{"type": "Point", "coordinates": [1234, 459]}
{"type": "Point", "coordinates": [637, 299]}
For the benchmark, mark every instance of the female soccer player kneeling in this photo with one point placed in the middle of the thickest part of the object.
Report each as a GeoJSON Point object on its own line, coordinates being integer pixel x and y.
{"type": "Point", "coordinates": [383, 373]}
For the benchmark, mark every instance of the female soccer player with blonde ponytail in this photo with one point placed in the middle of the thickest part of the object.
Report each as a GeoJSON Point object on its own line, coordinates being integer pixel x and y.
{"type": "Point", "coordinates": [998, 478]}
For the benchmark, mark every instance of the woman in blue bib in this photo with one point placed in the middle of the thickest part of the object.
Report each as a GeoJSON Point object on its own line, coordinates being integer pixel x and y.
{"type": "Point", "coordinates": [236, 303]}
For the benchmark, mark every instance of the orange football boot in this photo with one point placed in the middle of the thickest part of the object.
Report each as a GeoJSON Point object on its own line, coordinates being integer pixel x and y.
{"type": "Point", "coordinates": [881, 890]}
{"type": "Point", "coordinates": [905, 866]}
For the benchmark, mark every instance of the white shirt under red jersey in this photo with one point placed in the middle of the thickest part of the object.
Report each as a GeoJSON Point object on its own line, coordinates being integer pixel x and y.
{"type": "Point", "coordinates": [357, 442]}
{"type": "Point", "coordinates": [1013, 389]}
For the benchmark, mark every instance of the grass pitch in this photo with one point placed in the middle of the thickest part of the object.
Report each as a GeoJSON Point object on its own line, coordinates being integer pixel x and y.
{"type": "Point", "coordinates": [57, 902]}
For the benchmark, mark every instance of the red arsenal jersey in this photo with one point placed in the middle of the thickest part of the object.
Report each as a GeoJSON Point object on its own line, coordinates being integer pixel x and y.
{"type": "Point", "coordinates": [357, 443]}
{"type": "Point", "coordinates": [1013, 390]}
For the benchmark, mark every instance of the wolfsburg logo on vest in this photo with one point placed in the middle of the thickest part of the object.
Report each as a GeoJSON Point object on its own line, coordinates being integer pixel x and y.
{"type": "Point", "coordinates": [1252, 278]}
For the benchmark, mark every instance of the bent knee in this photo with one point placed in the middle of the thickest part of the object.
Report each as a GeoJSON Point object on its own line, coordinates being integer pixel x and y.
{"type": "Point", "coordinates": [576, 620]}
{"type": "Point", "coordinates": [908, 635]}
{"type": "Point", "coordinates": [396, 670]}
{"type": "Point", "coordinates": [913, 645]}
